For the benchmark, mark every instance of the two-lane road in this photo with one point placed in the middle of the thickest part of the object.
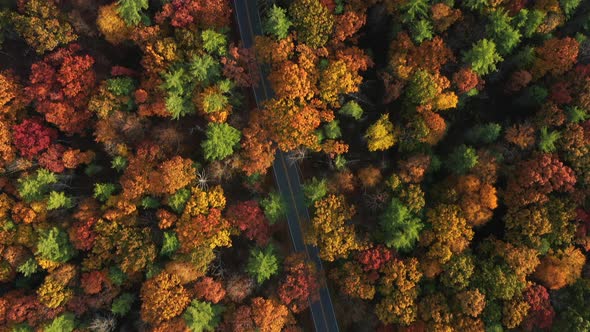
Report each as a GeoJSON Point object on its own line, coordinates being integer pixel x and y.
{"type": "Point", "coordinates": [287, 177]}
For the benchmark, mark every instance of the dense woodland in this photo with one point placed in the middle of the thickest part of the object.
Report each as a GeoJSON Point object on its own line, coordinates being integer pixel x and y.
{"type": "Point", "coordinates": [444, 147]}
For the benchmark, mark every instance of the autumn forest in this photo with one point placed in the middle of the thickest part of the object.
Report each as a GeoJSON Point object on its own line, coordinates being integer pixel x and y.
{"type": "Point", "coordinates": [268, 166]}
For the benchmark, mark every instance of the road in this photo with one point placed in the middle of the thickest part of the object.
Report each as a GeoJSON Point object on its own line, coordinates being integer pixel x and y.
{"type": "Point", "coordinates": [287, 177]}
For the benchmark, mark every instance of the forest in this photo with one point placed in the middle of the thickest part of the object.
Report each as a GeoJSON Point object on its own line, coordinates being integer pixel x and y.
{"type": "Point", "coordinates": [443, 148]}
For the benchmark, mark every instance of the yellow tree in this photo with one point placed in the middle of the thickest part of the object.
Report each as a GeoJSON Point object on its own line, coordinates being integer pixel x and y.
{"type": "Point", "coordinates": [380, 135]}
{"type": "Point", "coordinates": [111, 25]}
{"type": "Point", "coordinates": [338, 79]}
{"type": "Point", "coordinates": [449, 234]}
{"type": "Point", "coordinates": [330, 233]}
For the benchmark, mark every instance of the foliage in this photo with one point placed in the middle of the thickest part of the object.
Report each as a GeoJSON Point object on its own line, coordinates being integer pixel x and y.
{"type": "Point", "coordinates": [62, 323]}
{"type": "Point", "coordinates": [220, 142]}
{"type": "Point", "coordinates": [33, 187]}
{"type": "Point", "coordinates": [58, 200]}
{"type": "Point", "coordinates": [274, 207]}
{"type": "Point", "coordinates": [122, 304]}
{"type": "Point", "coordinates": [131, 10]}
{"type": "Point", "coordinates": [380, 135]}
{"type": "Point", "coordinates": [54, 245]}
{"type": "Point", "coordinates": [201, 316]}
{"type": "Point", "coordinates": [400, 228]}
{"type": "Point", "coordinates": [352, 109]}
{"type": "Point", "coordinates": [103, 191]}
{"type": "Point", "coordinates": [262, 264]}
{"type": "Point", "coordinates": [277, 22]}
{"type": "Point", "coordinates": [482, 57]}
{"type": "Point", "coordinates": [461, 160]}
{"type": "Point", "coordinates": [315, 189]}
{"type": "Point", "coordinates": [312, 21]}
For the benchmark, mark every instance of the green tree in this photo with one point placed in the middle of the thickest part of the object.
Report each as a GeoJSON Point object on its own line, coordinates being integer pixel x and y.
{"type": "Point", "coordinates": [119, 163]}
{"type": "Point", "coordinates": [332, 129]}
{"type": "Point", "coordinates": [178, 200]}
{"type": "Point", "coordinates": [150, 202]}
{"type": "Point", "coordinates": [421, 87]}
{"type": "Point", "coordinates": [569, 6]}
{"type": "Point", "coordinates": [205, 69]}
{"type": "Point", "coordinates": [262, 264]}
{"type": "Point", "coordinates": [461, 160]}
{"type": "Point", "coordinates": [486, 133]}
{"type": "Point", "coordinates": [274, 207]}
{"type": "Point", "coordinates": [422, 30]}
{"type": "Point", "coordinates": [170, 244]}
{"type": "Point", "coordinates": [214, 42]}
{"type": "Point", "coordinates": [62, 323]}
{"type": "Point", "coordinates": [482, 57]}
{"type": "Point", "coordinates": [179, 89]}
{"type": "Point", "coordinates": [547, 140]}
{"type": "Point", "coordinates": [122, 304]}
{"type": "Point", "coordinates": [102, 191]}
{"type": "Point", "coordinates": [500, 30]}
{"type": "Point", "coordinates": [314, 190]}
{"type": "Point", "coordinates": [529, 20]}
{"type": "Point", "coordinates": [121, 86]}
{"type": "Point", "coordinates": [476, 5]}
{"type": "Point", "coordinates": [29, 267]}
{"type": "Point", "coordinates": [34, 187]}
{"type": "Point", "coordinates": [352, 109]}
{"type": "Point", "coordinates": [313, 22]}
{"type": "Point", "coordinates": [202, 316]}
{"type": "Point", "coordinates": [130, 10]}
{"type": "Point", "coordinates": [277, 23]}
{"type": "Point", "coordinates": [414, 9]}
{"type": "Point", "coordinates": [58, 200]}
{"type": "Point", "coordinates": [221, 140]}
{"type": "Point", "coordinates": [53, 244]}
{"type": "Point", "coordinates": [577, 114]}
{"type": "Point", "coordinates": [400, 228]}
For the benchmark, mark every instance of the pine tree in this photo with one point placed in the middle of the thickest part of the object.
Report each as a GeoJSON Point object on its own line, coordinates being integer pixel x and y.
{"type": "Point", "coordinates": [482, 57]}
{"type": "Point", "coordinates": [262, 264]}
{"type": "Point", "coordinates": [277, 22]}
{"type": "Point", "coordinates": [221, 141]}
{"type": "Point", "coordinates": [130, 10]}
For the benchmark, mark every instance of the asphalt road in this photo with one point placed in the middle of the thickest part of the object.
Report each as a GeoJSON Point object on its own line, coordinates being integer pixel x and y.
{"type": "Point", "coordinates": [287, 177]}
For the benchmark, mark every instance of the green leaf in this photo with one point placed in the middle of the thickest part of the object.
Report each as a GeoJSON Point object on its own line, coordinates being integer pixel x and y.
{"type": "Point", "coordinates": [130, 10]}
{"type": "Point", "coordinates": [202, 316]}
{"type": "Point", "coordinates": [214, 42]}
{"type": "Point", "coordinates": [314, 190]}
{"type": "Point", "coordinates": [54, 245]}
{"type": "Point", "coordinates": [170, 243]}
{"type": "Point", "coordinates": [122, 304]}
{"type": "Point", "coordinates": [58, 200]}
{"type": "Point", "coordinates": [277, 22]}
{"type": "Point", "coordinates": [273, 206]}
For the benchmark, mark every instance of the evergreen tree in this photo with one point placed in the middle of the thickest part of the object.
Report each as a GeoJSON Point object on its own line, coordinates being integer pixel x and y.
{"type": "Point", "coordinates": [547, 140]}
{"type": "Point", "coordinates": [461, 160]}
{"type": "Point", "coordinates": [274, 207]}
{"type": "Point", "coordinates": [58, 200]}
{"type": "Point", "coordinates": [202, 316]}
{"type": "Point", "coordinates": [400, 228]}
{"type": "Point", "coordinates": [277, 22]}
{"type": "Point", "coordinates": [54, 245]}
{"type": "Point", "coordinates": [130, 10]}
{"type": "Point", "coordinates": [352, 109]}
{"type": "Point", "coordinates": [221, 141]}
{"type": "Point", "coordinates": [314, 190]}
{"type": "Point", "coordinates": [262, 264]}
{"type": "Point", "coordinates": [482, 57]}
{"type": "Point", "coordinates": [214, 42]}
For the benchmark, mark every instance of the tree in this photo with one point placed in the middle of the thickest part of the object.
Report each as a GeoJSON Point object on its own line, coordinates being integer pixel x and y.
{"type": "Point", "coordinates": [338, 79]}
{"type": "Point", "coordinates": [560, 268]}
{"type": "Point", "coordinates": [201, 316]}
{"type": "Point", "coordinates": [214, 42]}
{"type": "Point", "coordinates": [312, 21]}
{"type": "Point", "coordinates": [61, 85]}
{"type": "Point", "coordinates": [31, 137]}
{"type": "Point", "coordinates": [62, 323]}
{"type": "Point", "coordinates": [274, 207]}
{"type": "Point", "coordinates": [330, 232]}
{"type": "Point", "coordinates": [209, 289]}
{"type": "Point", "coordinates": [315, 189]}
{"type": "Point", "coordinates": [122, 304]}
{"type": "Point", "coordinates": [482, 57]}
{"type": "Point", "coordinates": [555, 56]}
{"type": "Point", "coordinates": [300, 283]}
{"type": "Point", "coordinates": [58, 200]}
{"type": "Point", "coordinates": [353, 282]}
{"type": "Point", "coordinates": [162, 298]}
{"type": "Point", "coordinates": [277, 23]}
{"type": "Point", "coordinates": [422, 30]}
{"type": "Point", "coordinates": [103, 191]}
{"type": "Point", "coordinates": [262, 264]}
{"type": "Point", "coordinates": [291, 81]}
{"type": "Point", "coordinates": [461, 160]}
{"type": "Point", "coordinates": [485, 133]}
{"type": "Point", "coordinates": [352, 109]}
{"type": "Point", "coordinates": [248, 217]}
{"type": "Point", "coordinates": [547, 140]}
{"type": "Point", "coordinates": [380, 135]}
{"type": "Point", "coordinates": [449, 233]}
{"type": "Point", "coordinates": [131, 10]}
{"type": "Point", "coordinates": [541, 313]}
{"type": "Point", "coordinates": [569, 6]}
{"type": "Point", "coordinates": [458, 271]}
{"type": "Point", "coordinates": [33, 187]}
{"type": "Point", "coordinates": [53, 244]}
{"type": "Point", "coordinates": [500, 30]}
{"type": "Point", "coordinates": [42, 25]}
{"type": "Point", "coordinates": [269, 315]}
{"type": "Point", "coordinates": [220, 142]}
{"type": "Point", "coordinates": [111, 25]}
{"type": "Point", "coordinates": [401, 229]}
{"type": "Point", "coordinates": [534, 179]}
{"type": "Point", "coordinates": [170, 244]}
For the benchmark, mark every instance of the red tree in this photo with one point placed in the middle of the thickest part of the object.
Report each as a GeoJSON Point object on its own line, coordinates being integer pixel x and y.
{"type": "Point", "coordinates": [534, 179]}
{"type": "Point", "coordinates": [374, 258]}
{"type": "Point", "coordinates": [204, 13]}
{"type": "Point", "coordinates": [60, 85]}
{"type": "Point", "coordinates": [52, 158]}
{"type": "Point", "coordinates": [541, 312]}
{"type": "Point", "coordinates": [31, 137]}
{"type": "Point", "coordinates": [209, 289]}
{"type": "Point", "coordinates": [299, 284]}
{"type": "Point", "coordinates": [240, 66]}
{"type": "Point", "coordinates": [248, 217]}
